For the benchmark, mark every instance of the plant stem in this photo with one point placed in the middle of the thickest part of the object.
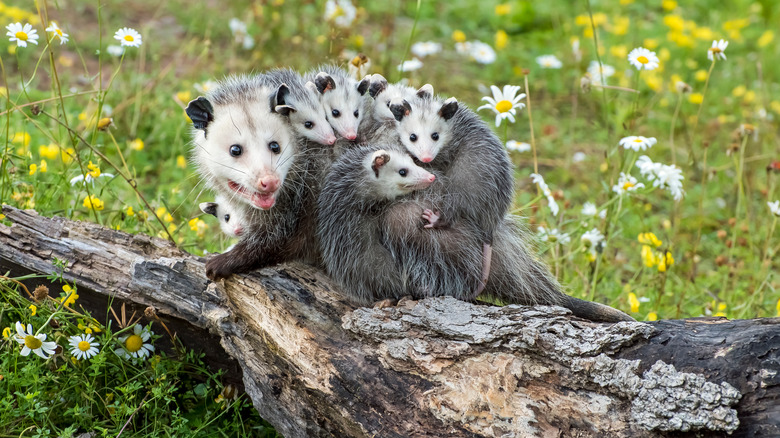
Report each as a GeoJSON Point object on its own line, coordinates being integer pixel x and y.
{"type": "Point", "coordinates": [671, 129]}
{"type": "Point", "coordinates": [531, 122]}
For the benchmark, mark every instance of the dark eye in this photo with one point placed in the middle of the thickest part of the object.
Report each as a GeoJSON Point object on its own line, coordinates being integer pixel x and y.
{"type": "Point", "coordinates": [403, 172]}
{"type": "Point", "coordinates": [274, 147]}
{"type": "Point", "coordinates": [336, 113]}
{"type": "Point", "coordinates": [227, 218]}
{"type": "Point", "coordinates": [235, 150]}
{"type": "Point", "coordinates": [308, 125]}
{"type": "Point", "coordinates": [356, 113]}
{"type": "Point", "coordinates": [413, 137]}
{"type": "Point", "coordinates": [435, 136]}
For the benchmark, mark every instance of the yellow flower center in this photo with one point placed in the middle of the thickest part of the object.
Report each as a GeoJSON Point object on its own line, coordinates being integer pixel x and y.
{"type": "Point", "coordinates": [503, 106]}
{"type": "Point", "coordinates": [32, 342]}
{"type": "Point", "coordinates": [59, 32]}
{"type": "Point", "coordinates": [627, 185]}
{"type": "Point", "coordinates": [643, 59]}
{"type": "Point", "coordinates": [129, 38]}
{"type": "Point", "coordinates": [134, 343]}
{"type": "Point", "coordinates": [21, 36]}
{"type": "Point", "coordinates": [84, 346]}
{"type": "Point", "coordinates": [715, 50]}
{"type": "Point", "coordinates": [638, 140]}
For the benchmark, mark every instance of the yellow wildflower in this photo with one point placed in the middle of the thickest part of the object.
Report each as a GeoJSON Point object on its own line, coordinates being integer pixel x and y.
{"type": "Point", "coordinates": [93, 202]}
{"type": "Point", "coordinates": [22, 138]}
{"type": "Point", "coordinates": [129, 211]}
{"type": "Point", "coordinates": [701, 75]}
{"type": "Point", "coordinates": [94, 170]}
{"type": "Point", "coordinates": [669, 4]}
{"type": "Point", "coordinates": [33, 308]}
{"type": "Point", "coordinates": [649, 239]}
{"type": "Point", "coordinates": [459, 36]}
{"type": "Point", "coordinates": [766, 38]}
{"type": "Point", "coordinates": [626, 2]}
{"type": "Point", "coordinates": [2, 216]}
{"type": "Point", "coordinates": [7, 332]}
{"type": "Point", "coordinates": [738, 91]}
{"type": "Point", "coordinates": [198, 226]}
{"type": "Point", "coordinates": [653, 81]}
{"type": "Point", "coordinates": [750, 96]}
{"type": "Point", "coordinates": [184, 96]}
{"type": "Point", "coordinates": [502, 39]}
{"type": "Point", "coordinates": [648, 257]}
{"type": "Point", "coordinates": [778, 308]}
{"type": "Point", "coordinates": [67, 155]}
{"type": "Point", "coordinates": [49, 152]}
{"type": "Point", "coordinates": [44, 167]}
{"type": "Point", "coordinates": [721, 310]}
{"type": "Point", "coordinates": [696, 98]}
{"type": "Point", "coordinates": [33, 168]}
{"type": "Point", "coordinates": [181, 162]}
{"type": "Point", "coordinates": [681, 39]}
{"type": "Point", "coordinates": [621, 26]}
{"type": "Point", "coordinates": [620, 51]}
{"type": "Point", "coordinates": [70, 295]}
{"type": "Point", "coordinates": [703, 33]}
{"type": "Point", "coordinates": [664, 55]}
{"type": "Point", "coordinates": [665, 261]}
{"type": "Point", "coordinates": [503, 9]}
{"type": "Point", "coordinates": [138, 144]}
{"type": "Point", "coordinates": [674, 22]}
{"type": "Point", "coordinates": [82, 116]}
{"type": "Point", "coordinates": [633, 302]}
{"type": "Point", "coordinates": [652, 316]}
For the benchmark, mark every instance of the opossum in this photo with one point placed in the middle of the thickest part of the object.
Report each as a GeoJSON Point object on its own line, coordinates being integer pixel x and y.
{"type": "Point", "coordinates": [343, 99]}
{"type": "Point", "coordinates": [244, 150]}
{"type": "Point", "coordinates": [233, 219]}
{"type": "Point", "coordinates": [383, 94]}
{"type": "Point", "coordinates": [359, 192]}
{"type": "Point", "coordinates": [300, 103]}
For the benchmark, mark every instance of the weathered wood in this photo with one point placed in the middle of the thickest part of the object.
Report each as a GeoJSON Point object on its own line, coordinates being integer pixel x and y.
{"type": "Point", "coordinates": [316, 366]}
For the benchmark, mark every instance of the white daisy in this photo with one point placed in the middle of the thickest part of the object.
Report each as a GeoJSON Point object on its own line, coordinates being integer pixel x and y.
{"type": "Point", "coordinates": [553, 236]}
{"type": "Point", "coordinates": [537, 179]}
{"type": "Point", "coordinates": [600, 73]}
{"type": "Point", "coordinates": [57, 32]}
{"type": "Point", "coordinates": [33, 342]}
{"type": "Point", "coordinates": [463, 48]}
{"type": "Point", "coordinates": [83, 346]}
{"type": "Point", "coordinates": [482, 52]}
{"type": "Point", "coordinates": [22, 34]}
{"type": "Point", "coordinates": [518, 146]}
{"type": "Point", "coordinates": [575, 49]}
{"type": "Point", "coordinates": [549, 61]}
{"type": "Point", "coordinates": [663, 176]}
{"type": "Point", "coordinates": [637, 142]}
{"type": "Point", "coordinates": [133, 346]}
{"type": "Point", "coordinates": [774, 207]}
{"type": "Point", "coordinates": [411, 65]}
{"type": "Point", "coordinates": [504, 103]}
{"type": "Point", "coordinates": [423, 49]}
{"type": "Point", "coordinates": [128, 37]}
{"type": "Point", "coordinates": [717, 49]}
{"type": "Point", "coordinates": [589, 209]}
{"type": "Point", "coordinates": [237, 27]}
{"type": "Point", "coordinates": [115, 50]}
{"type": "Point", "coordinates": [626, 183]}
{"type": "Point", "coordinates": [578, 156]}
{"type": "Point", "coordinates": [593, 241]}
{"type": "Point", "coordinates": [642, 58]}
{"type": "Point", "coordinates": [341, 12]}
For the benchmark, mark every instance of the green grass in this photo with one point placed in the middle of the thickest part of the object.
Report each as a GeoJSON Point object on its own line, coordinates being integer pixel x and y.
{"type": "Point", "coordinates": [185, 45]}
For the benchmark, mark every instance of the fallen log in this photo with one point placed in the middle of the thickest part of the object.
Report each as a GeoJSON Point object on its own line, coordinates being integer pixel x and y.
{"type": "Point", "coordinates": [315, 366]}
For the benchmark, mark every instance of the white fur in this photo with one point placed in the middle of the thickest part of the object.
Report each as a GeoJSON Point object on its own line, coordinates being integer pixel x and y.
{"type": "Point", "coordinates": [389, 183]}
{"type": "Point", "coordinates": [233, 219]}
{"type": "Point", "coordinates": [346, 100]}
{"type": "Point", "coordinates": [393, 92]}
{"type": "Point", "coordinates": [423, 121]}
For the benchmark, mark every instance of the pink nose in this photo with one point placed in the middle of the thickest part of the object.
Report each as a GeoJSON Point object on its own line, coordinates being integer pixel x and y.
{"type": "Point", "coordinates": [268, 183]}
{"type": "Point", "coordinates": [350, 136]}
{"type": "Point", "coordinates": [331, 139]}
{"type": "Point", "coordinates": [238, 231]}
{"type": "Point", "coordinates": [431, 178]}
{"type": "Point", "coordinates": [426, 159]}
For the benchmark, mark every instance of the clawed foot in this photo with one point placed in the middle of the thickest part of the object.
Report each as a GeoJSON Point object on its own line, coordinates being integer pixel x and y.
{"type": "Point", "coordinates": [218, 267]}
{"type": "Point", "coordinates": [432, 218]}
{"type": "Point", "coordinates": [384, 304]}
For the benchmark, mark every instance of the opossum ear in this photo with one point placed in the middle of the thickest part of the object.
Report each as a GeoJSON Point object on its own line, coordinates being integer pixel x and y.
{"type": "Point", "coordinates": [378, 85]}
{"type": "Point", "coordinates": [209, 208]}
{"type": "Point", "coordinates": [200, 112]}
{"type": "Point", "coordinates": [278, 101]}
{"type": "Point", "coordinates": [448, 109]}
{"type": "Point", "coordinates": [362, 86]}
{"type": "Point", "coordinates": [425, 92]}
{"type": "Point", "coordinates": [324, 82]}
{"type": "Point", "coordinates": [379, 159]}
{"type": "Point", "coordinates": [400, 110]}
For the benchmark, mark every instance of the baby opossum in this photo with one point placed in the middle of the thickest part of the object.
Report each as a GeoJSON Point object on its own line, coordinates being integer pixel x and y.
{"type": "Point", "coordinates": [246, 151]}
{"type": "Point", "coordinates": [233, 219]}
{"type": "Point", "coordinates": [383, 94]}
{"type": "Point", "coordinates": [343, 99]}
{"type": "Point", "coordinates": [359, 193]}
{"type": "Point", "coordinates": [300, 103]}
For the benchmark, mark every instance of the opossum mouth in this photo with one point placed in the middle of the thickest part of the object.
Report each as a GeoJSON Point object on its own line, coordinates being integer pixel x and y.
{"type": "Point", "coordinates": [261, 200]}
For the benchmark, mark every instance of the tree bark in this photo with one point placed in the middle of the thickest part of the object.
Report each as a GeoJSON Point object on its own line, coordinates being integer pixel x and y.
{"type": "Point", "coordinates": [315, 366]}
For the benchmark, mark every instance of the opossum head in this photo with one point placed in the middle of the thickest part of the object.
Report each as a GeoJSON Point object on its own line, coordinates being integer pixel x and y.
{"type": "Point", "coordinates": [383, 94]}
{"type": "Point", "coordinates": [241, 147]}
{"type": "Point", "coordinates": [232, 218]}
{"type": "Point", "coordinates": [343, 100]}
{"type": "Point", "coordinates": [424, 124]}
{"type": "Point", "coordinates": [305, 113]}
{"type": "Point", "coordinates": [393, 174]}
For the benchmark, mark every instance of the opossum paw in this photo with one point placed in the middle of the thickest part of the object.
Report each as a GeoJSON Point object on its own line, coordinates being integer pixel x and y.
{"type": "Point", "coordinates": [432, 218]}
{"type": "Point", "coordinates": [388, 302]}
{"type": "Point", "coordinates": [218, 267]}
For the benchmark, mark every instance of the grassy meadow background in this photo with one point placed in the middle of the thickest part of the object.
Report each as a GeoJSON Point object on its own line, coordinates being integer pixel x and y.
{"type": "Point", "coordinates": [83, 108]}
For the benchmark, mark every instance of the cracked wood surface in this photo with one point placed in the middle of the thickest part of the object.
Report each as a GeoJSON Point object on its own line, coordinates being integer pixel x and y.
{"type": "Point", "coordinates": [316, 366]}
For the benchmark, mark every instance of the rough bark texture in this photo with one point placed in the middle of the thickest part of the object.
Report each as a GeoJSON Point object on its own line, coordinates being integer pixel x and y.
{"type": "Point", "coordinates": [315, 366]}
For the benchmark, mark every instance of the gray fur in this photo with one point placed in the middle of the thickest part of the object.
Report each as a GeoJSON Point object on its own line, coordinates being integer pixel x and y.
{"type": "Point", "coordinates": [340, 92]}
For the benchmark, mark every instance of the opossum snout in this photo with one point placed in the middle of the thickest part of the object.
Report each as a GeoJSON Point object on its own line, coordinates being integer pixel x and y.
{"type": "Point", "coordinates": [351, 135]}
{"type": "Point", "coordinates": [330, 139]}
{"type": "Point", "coordinates": [268, 183]}
{"type": "Point", "coordinates": [238, 231]}
{"type": "Point", "coordinates": [431, 178]}
{"type": "Point", "coordinates": [426, 158]}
